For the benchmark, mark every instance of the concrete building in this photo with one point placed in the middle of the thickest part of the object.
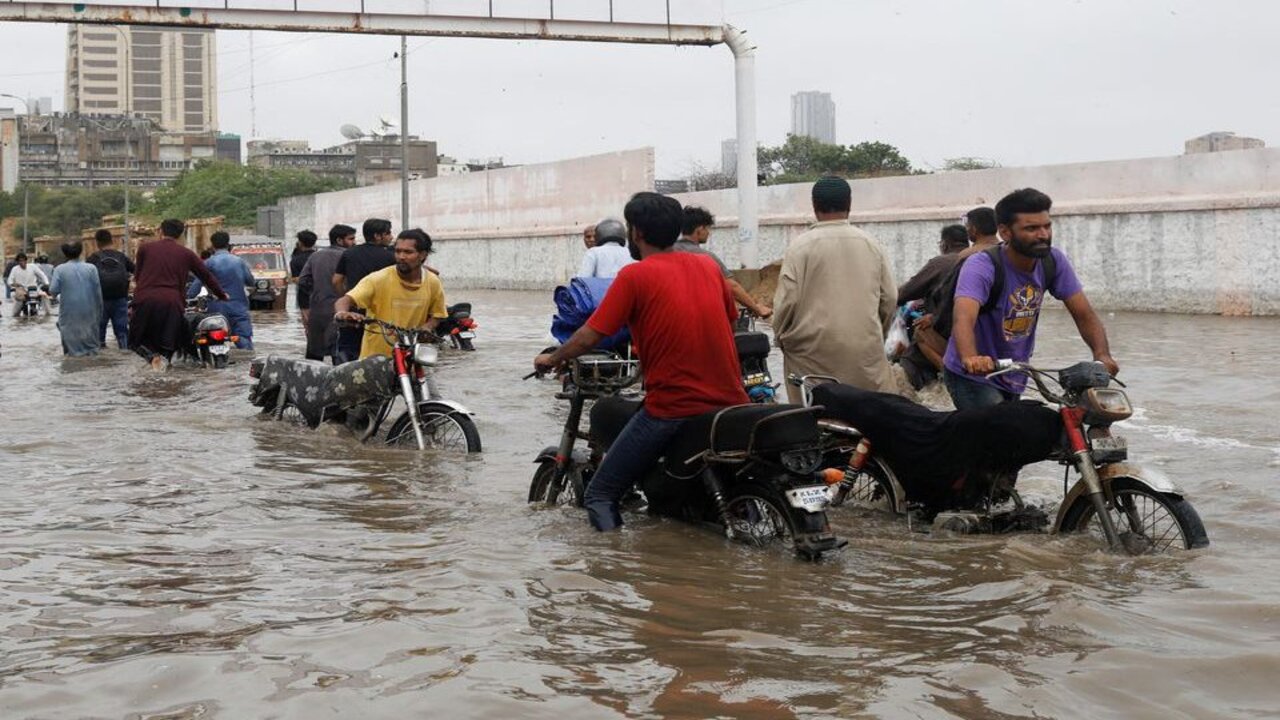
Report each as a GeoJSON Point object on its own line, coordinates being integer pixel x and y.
{"type": "Point", "coordinates": [63, 150]}
{"type": "Point", "coordinates": [446, 165]}
{"type": "Point", "coordinates": [1220, 141]}
{"type": "Point", "coordinates": [168, 76]}
{"type": "Point", "coordinates": [358, 163]}
{"type": "Point", "coordinates": [8, 150]}
{"type": "Point", "coordinates": [229, 147]}
{"type": "Point", "coordinates": [729, 157]}
{"type": "Point", "coordinates": [813, 114]}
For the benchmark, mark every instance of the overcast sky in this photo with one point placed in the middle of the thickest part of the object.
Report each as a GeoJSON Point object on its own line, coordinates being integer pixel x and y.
{"type": "Point", "coordinates": [1023, 83]}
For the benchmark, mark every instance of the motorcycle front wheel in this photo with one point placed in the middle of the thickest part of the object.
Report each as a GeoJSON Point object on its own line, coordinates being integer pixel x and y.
{"type": "Point", "coordinates": [1148, 521]}
{"type": "Point", "coordinates": [757, 516]}
{"type": "Point", "coordinates": [544, 488]}
{"type": "Point", "coordinates": [442, 429]}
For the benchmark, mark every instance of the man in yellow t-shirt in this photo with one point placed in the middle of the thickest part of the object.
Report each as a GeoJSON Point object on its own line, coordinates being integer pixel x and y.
{"type": "Point", "coordinates": [405, 294]}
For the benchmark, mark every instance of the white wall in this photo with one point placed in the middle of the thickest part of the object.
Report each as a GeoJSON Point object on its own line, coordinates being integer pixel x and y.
{"type": "Point", "coordinates": [1180, 234]}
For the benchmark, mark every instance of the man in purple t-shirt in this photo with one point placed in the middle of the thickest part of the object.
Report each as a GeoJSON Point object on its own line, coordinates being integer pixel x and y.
{"type": "Point", "coordinates": [1008, 330]}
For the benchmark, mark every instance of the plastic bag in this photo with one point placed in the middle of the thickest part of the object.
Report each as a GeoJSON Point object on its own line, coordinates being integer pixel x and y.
{"type": "Point", "coordinates": [898, 339]}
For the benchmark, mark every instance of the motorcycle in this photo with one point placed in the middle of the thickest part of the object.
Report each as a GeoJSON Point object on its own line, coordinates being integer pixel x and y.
{"type": "Point", "coordinates": [753, 357]}
{"type": "Point", "coordinates": [459, 327]}
{"type": "Point", "coordinates": [30, 301]}
{"type": "Point", "coordinates": [209, 334]}
{"type": "Point", "coordinates": [362, 394]}
{"type": "Point", "coordinates": [750, 470]}
{"type": "Point", "coordinates": [957, 470]}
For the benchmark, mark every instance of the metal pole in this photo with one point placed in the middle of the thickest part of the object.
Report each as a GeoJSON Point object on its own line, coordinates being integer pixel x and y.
{"type": "Point", "coordinates": [26, 236]}
{"type": "Point", "coordinates": [126, 216]}
{"type": "Point", "coordinates": [748, 199]}
{"type": "Point", "coordinates": [404, 132]}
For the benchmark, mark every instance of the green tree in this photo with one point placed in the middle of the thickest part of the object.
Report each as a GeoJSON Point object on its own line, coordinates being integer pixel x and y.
{"type": "Point", "coordinates": [66, 211]}
{"type": "Point", "coordinates": [235, 191]}
{"type": "Point", "coordinates": [968, 163]}
{"type": "Point", "coordinates": [804, 159]}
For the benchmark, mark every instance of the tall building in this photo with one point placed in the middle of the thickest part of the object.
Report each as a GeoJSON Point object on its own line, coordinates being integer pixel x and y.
{"type": "Point", "coordinates": [165, 75]}
{"type": "Point", "coordinates": [813, 114]}
{"type": "Point", "coordinates": [729, 157]}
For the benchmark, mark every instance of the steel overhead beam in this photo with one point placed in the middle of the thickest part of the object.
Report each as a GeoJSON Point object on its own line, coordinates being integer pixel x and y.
{"type": "Point", "coordinates": [365, 22]}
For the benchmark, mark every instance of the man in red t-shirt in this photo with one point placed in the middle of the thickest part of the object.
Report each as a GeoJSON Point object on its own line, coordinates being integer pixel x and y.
{"type": "Point", "coordinates": [681, 315]}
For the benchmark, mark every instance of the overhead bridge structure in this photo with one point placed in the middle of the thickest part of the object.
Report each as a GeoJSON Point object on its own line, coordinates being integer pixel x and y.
{"type": "Point", "coordinates": [643, 22]}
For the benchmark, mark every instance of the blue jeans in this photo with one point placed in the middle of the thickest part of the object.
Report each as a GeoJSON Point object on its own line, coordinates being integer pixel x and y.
{"type": "Point", "coordinates": [117, 313]}
{"type": "Point", "coordinates": [237, 316]}
{"type": "Point", "coordinates": [970, 395]}
{"type": "Point", "coordinates": [637, 448]}
{"type": "Point", "coordinates": [349, 340]}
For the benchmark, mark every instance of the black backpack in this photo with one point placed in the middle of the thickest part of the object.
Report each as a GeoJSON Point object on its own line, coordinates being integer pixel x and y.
{"type": "Point", "coordinates": [113, 276]}
{"type": "Point", "coordinates": [943, 299]}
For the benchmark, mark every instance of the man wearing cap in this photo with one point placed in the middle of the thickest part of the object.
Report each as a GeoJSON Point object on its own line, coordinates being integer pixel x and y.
{"type": "Point", "coordinates": [835, 298]}
{"type": "Point", "coordinates": [610, 253]}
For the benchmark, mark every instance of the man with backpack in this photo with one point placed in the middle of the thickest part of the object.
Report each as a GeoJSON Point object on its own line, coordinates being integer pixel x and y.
{"type": "Point", "coordinates": [998, 296]}
{"type": "Point", "coordinates": [114, 272]}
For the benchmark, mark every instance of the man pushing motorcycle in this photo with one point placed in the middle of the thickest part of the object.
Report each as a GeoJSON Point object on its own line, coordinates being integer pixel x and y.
{"type": "Point", "coordinates": [680, 313]}
{"type": "Point", "coordinates": [998, 299]}
{"type": "Point", "coordinates": [402, 294]}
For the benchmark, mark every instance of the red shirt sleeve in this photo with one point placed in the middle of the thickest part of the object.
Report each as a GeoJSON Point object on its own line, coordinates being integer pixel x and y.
{"type": "Point", "coordinates": [615, 310]}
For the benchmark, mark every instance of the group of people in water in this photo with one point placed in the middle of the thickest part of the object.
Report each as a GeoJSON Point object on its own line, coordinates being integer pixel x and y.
{"type": "Point", "coordinates": [835, 300]}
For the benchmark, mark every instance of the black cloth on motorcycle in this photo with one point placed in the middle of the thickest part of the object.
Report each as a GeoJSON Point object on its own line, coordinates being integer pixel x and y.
{"type": "Point", "coordinates": [751, 345]}
{"type": "Point", "coordinates": [319, 390]}
{"type": "Point", "coordinates": [942, 302]}
{"type": "Point", "coordinates": [931, 452]}
{"type": "Point", "coordinates": [114, 270]}
{"type": "Point", "coordinates": [575, 303]}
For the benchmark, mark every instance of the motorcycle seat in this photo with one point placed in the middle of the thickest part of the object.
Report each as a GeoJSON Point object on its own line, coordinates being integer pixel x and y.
{"type": "Point", "coordinates": [751, 345]}
{"type": "Point", "coordinates": [609, 415]}
{"type": "Point", "coordinates": [734, 432]}
{"type": "Point", "coordinates": [318, 389]}
{"type": "Point", "coordinates": [460, 310]}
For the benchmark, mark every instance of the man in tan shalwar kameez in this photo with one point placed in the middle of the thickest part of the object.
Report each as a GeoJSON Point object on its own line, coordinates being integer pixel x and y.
{"type": "Point", "coordinates": [835, 298]}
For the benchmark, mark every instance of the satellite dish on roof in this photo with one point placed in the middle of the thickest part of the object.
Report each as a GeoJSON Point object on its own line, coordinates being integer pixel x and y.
{"type": "Point", "coordinates": [351, 132]}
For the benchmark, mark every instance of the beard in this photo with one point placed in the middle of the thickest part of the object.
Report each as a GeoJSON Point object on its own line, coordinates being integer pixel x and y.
{"type": "Point", "coordinates": [634, 249]}
{"type": "Point", "coordinates": [1035, 249]}
{"type": "Point", "coordinates": [405, 269]}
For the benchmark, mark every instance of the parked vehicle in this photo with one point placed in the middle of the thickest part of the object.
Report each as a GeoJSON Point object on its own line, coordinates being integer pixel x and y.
{"type": "Point", "coordinates": [267, 262]}
{"type": "Point", "coordinates": [749, 470]}
{"type": "Point", "coordinates": [957, 470]}
{"type": "Point", "coordinates": [209, 334]}
{"type": "Point", "coordinates": [459, 328]}
{"type": "Point", "coordinates": [362, 394]}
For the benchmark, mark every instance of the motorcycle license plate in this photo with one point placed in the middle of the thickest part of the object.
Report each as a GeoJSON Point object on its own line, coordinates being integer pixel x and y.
{"type": "Point", "coordinates": [466, 334]}
{"type": "Point", "coordinates": [219, 349]}
{"type": "Point", "coordinates": [813, 498]}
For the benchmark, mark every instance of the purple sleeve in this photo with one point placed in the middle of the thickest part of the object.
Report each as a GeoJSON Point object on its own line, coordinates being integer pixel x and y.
{"type": "Point", "coordinates": [976, 276]}
{"type": "Point", "coordinates": [1066, 283]}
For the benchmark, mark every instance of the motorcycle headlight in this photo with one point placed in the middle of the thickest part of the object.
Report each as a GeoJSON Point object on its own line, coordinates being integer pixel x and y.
{"type": "Point", "coordinates": [425, 354]}
{"type": "Point", "coordinates": [801, 462]}
{"type": "Point", "coordinates": [262, 284]}
{"type": "Point", "coordinates": [1106, 405]}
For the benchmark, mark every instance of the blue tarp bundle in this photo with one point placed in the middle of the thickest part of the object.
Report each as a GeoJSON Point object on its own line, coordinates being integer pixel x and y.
{"type": "Point", "coordinates": [574, 304]}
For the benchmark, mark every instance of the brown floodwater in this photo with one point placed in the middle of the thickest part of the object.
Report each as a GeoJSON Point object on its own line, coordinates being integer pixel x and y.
{"type": "Point", "coordinates": [165, 552]}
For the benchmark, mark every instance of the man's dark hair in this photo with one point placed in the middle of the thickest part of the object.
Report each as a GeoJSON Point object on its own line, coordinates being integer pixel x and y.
{"type": "Point", "coordinates": [71, 250]}
{"type": "Point", "coordinates": [373, 227]}
{"type": "Point", "coordinates": [954, 237]}
{"type": "Point", "coordinates": [832, 194]}
{"type": "Point", "coordinates": [173, 228]}
{"type": "Point", "coordinates": [421, 240]}
{"type": "Point", "coordinates": [307, 238]}
{"type": "Point", "coordinates": [337, 232]}
{"type": "Point", "coordinates": [657, 217]}
{"type": "Point", "coordinates": [983, 220]}
{"type": "Point", "coordinates": [220, 240]}
{"type": "Point", "coordinates": [1019, 202]}
{"type": "Point", "coordinates": [696, 217]}
{"type": "Point", "coordinates": [103, 237]}
{"type": "Point", "coordinates": [20, 256]}
{"type": "Point", "coordinates": [206, 253]}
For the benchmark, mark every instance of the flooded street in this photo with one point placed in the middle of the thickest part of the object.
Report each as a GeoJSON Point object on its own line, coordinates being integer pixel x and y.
{"type": "Point", "coordinates": [164, 552]}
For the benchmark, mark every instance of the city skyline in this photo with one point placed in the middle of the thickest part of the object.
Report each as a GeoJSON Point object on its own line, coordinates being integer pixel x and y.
{"type": "Point", "coordinates": [813, 115]}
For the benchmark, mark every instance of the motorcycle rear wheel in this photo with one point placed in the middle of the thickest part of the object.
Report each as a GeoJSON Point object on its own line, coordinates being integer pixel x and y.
{"type": "Point", "coordinates": [870, 489]}
{"type": "Point", "coordinates": [543, 488]}
{"type": "Point", "coordinates": [466, 344]}
{"type": "Point", "coordinates": [757, 516]}
{"type": "Point", "coordinates": [219, 361]}
{"type": "Point", "coordinates": [1148, 521]}
{"type": "Point", "coordinates": [442, 430]}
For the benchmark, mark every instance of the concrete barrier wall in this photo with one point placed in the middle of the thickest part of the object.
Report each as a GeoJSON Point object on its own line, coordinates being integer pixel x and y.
{"type": "Point", "coordinates": [1193, 233]}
